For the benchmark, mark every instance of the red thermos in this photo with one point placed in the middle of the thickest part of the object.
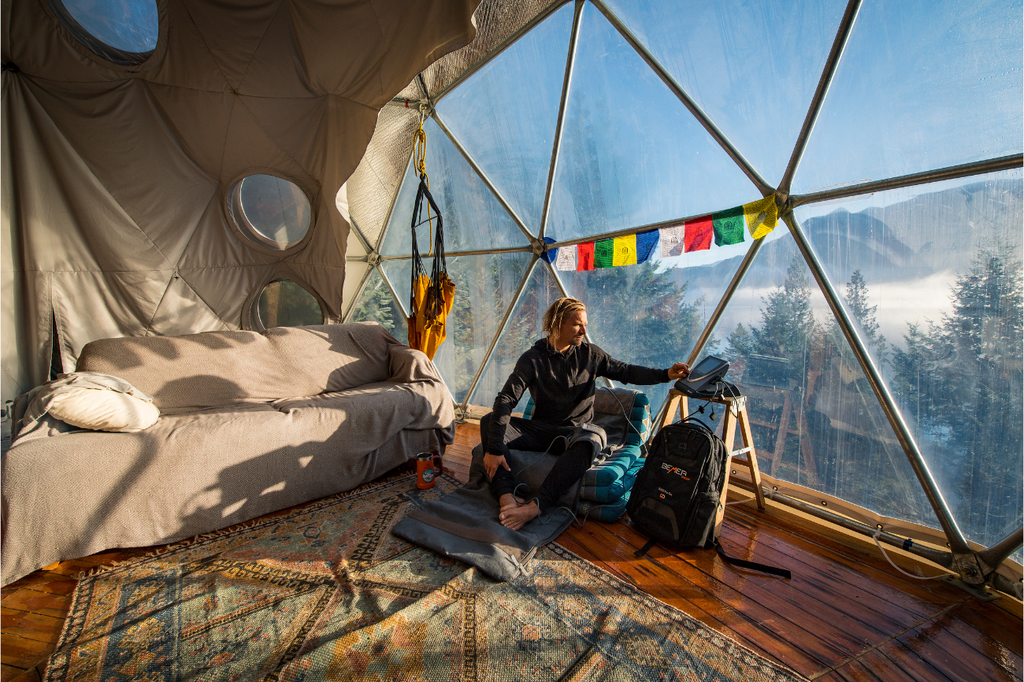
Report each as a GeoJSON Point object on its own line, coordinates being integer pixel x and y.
{"type": "Point", "coordinates": [428, 467]}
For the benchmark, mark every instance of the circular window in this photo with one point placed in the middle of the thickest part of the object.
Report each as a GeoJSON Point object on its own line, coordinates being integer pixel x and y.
{"type": "Point", "coordinates": [121, 31]}
{"type": "Point", "coordinates": [270, 211]}
{"type": "Point", "coordinates": [286, 304]}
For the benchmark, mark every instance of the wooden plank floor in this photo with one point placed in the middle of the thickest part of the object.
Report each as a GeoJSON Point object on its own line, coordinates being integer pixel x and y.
{"type": "Point", "coordinates": [845, 616]}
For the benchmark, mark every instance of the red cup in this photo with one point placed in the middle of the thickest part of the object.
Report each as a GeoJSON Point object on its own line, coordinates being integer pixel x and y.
{"type": "Point", "coordinates": [428, 468]}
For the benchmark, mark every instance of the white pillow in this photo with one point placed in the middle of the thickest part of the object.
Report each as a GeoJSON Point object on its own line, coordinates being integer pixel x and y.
{"type": "Point", "coordinates": [99, 402]}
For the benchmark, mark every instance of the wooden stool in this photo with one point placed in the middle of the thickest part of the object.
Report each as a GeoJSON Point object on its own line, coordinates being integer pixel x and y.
{"type": "Point", "coordinates": [735, 414]}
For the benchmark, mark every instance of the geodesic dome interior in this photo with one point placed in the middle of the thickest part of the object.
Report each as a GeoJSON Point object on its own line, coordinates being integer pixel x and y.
{"type": "Point", "coordinates": [876, 330]}
{"type": "Point", "coordinates": [248, 165]}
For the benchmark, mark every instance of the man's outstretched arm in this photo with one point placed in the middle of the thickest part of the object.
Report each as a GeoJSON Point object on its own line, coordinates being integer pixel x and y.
{"type": "Point", "coordinates": [680, 370]}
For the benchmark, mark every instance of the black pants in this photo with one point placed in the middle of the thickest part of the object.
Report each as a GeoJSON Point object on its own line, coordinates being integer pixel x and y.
{"type": "Point", "coordinates": [526, 434]}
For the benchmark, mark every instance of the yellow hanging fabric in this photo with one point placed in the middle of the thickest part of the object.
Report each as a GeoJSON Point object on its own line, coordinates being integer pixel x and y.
{"type": "Point", "coordinates": [431, 297]}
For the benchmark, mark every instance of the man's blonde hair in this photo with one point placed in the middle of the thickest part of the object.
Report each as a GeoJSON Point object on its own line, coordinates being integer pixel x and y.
{"type": "Point", "coordinates": [557, 313]}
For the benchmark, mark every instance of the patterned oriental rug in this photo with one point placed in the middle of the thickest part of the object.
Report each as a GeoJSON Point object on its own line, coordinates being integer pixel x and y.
{"type": "Point", "coordinates": [326, 592]}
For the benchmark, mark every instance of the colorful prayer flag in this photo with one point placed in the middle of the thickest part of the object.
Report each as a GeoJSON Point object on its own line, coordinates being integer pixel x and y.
{"type": "Point", "coordinates": [672, 241]}
{"type": "Point", "coordinates": [624, 250]}
{"type": "Point", "coordinates": [698, 232]}
{"type": "Point", "coordinates": [762, 216]}
{"type": "Point", "coordinates": [604, 253]}
{"type": "Point", "coordinates": [645, 243]}
{"type": "Point", "coordinates": [728, 226]}
{"type": "Point", "coordinates": [550, 255]}
{"type": "Point", "coordinates": [585, 256]}
{"type": "Point", "coordinates": [566, 258]}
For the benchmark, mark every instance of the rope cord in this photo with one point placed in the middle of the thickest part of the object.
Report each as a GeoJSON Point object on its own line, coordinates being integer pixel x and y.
{"type": "Point", "coordinates": [909, 575]}
{"type": "Point", "coordinates": [629, 423]}
{"type": "Point", "coordinates": [419, 153]}
{"type": "Point", "coordinates": [419, 163]}
{"type": "Point", "coordinates": [439, 271]}
{"type": "Point", "coordinates": [719, 391]}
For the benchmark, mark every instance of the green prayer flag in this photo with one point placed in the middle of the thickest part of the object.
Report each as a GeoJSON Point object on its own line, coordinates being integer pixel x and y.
{"type": "Point", "coordinates": [604, 252]}
{"type": "Point", "coordinates": [729, 226]}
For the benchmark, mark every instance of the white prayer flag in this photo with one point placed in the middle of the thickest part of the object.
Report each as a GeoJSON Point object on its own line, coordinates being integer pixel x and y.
{"type": "Point", "coordinates": [672, 240]}
{"type": "Point", "coordinates": [566, 259]}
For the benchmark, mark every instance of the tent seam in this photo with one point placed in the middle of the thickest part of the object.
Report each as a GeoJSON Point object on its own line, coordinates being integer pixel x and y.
{"type": "Point", "coordinates": [209, 52]}
{"type": "Point", "coordinates": [198, 296]}
{"type": "Point", "coordinates": [277, 143]}
{"type": "Point", "coordinates": [28, 93]}
{"type": "Point", "coordinates": [266, 28]}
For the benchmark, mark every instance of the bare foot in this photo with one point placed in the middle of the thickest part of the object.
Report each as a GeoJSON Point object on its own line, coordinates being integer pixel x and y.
{"type": "Point", "coordinates": [516, 515]}
{"type": "Point", "coordinates": [510, 500]}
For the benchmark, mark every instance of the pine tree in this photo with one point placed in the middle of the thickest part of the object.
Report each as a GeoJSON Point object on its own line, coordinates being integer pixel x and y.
{"type": "Point", "coordinates": [377, 305]}
{"type": "Point", "coordinates": [740, 342]}
{"type": "Point", "coordinates": [961, 379]}
{"type": "Point", "coordinates": [787, 321]}
{"type": "Point", "coordinates": [866, 316]}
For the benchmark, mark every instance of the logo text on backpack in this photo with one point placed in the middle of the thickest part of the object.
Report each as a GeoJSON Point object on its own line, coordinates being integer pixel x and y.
{"type": "Point", "coordinates": [681, 473]}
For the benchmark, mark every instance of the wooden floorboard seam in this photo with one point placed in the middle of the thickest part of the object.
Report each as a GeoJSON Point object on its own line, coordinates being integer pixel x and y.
{"type": "Point", "coordinates": [891, 639]}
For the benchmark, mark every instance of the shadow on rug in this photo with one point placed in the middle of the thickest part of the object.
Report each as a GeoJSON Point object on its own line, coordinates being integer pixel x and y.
{"type": "Point", "coordinates": [326, 592]}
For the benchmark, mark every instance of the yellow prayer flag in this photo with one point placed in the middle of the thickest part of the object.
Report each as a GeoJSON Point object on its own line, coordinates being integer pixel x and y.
{"type": "Point", "coordinates": [762, 216]}
{"type": "Point", "coordinates": [624, 250]}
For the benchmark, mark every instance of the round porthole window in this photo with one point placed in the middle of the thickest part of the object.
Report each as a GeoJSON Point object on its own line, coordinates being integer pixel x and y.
{"type": "Point", "coordinates": [121, 31]}
{"type": "Point", "coordinates": [270, 211]}
{"type": "Point", "coordinates": [284, 303]}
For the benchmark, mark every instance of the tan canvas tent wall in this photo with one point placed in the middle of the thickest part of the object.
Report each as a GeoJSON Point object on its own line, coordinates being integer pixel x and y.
{"type": "Point", "coordinates": [115, 178]}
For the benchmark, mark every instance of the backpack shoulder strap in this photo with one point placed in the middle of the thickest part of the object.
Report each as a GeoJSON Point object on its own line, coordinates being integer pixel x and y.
{"type": "Point", "coordinates": [753, 565]}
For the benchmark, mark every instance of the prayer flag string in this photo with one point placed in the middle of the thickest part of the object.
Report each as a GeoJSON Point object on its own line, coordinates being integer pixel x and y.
{"type": "Point", "coordinates": [727, 227]}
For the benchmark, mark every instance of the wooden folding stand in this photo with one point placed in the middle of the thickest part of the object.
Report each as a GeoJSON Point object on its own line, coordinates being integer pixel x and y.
{"type": "Point", "coordinates": [735, 414]}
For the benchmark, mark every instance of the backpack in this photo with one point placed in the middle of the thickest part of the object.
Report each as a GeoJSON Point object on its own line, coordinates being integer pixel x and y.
{"type": "Point", "coordinates": [678, 493]}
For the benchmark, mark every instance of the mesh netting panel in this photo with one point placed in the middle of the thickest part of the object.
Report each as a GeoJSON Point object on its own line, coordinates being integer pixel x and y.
{"type": "Point", "coordinates": [497, 21]}
{"type": "Point", "coordinates": [376, 180]}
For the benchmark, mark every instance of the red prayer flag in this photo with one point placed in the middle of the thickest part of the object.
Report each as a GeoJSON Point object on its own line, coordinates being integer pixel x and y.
{"type": "Point", "coordinates": [585, 256]}
{"type": "Point", "coordinates": [698, 233]}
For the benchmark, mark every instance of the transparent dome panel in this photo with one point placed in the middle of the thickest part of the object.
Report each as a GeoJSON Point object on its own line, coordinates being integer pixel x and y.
{"type": "Point", "coordinates": [921, 85]}
{"type": "Point", "coordinates": [472, 217]}
{"type": "Point", "coordinates": [376, 304]}
{"type": "Point", "coordinates": [524, 327]}
{"type": "Point", "coordinates": [513, 144]}
{"type": "Point", "coordinates": [629, 166]}
{"type": "Point", "coordinates": [399, 274]}
{"type": "Point", "coordinates": [286, 304]}
{"type": "Point", "coordinates": [640, 314]}
{"type": "Point", "coordinates": [484, 286]}
{"type": "Point", "coordinates": [815, 420]}
{"type": "Point", "coordinates": [932, 276]}
{"type": "Point", "coordinates": [700, 280]}
{"type": "Point", "coordinates": [270, 211]}
{"type": "Point", "coordinates": [752, 67]}
{"type": "Point", "coordinates": [123, 31]}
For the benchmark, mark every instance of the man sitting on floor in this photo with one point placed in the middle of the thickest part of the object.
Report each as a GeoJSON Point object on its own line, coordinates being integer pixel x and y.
{"type": "Point", "coordinates": [560, 372]}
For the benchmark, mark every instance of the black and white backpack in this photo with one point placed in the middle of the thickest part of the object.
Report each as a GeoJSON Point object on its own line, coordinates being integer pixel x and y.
{"type": "Point", "coordinates": [678, 492]}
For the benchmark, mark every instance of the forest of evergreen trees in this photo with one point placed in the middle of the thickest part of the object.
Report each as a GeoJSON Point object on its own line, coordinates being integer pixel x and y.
{"type": "Point", "coordinates": [957, 381]}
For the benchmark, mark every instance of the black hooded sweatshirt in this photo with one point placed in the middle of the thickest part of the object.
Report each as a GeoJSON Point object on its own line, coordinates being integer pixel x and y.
{"type": "Point", "coordinates": [562, 385]}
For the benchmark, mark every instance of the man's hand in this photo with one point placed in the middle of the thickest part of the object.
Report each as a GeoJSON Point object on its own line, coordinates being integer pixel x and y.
{"type": "Point", "coordinates": [680, 370]}
{"type": "Point", "coordinates": [492, 462]}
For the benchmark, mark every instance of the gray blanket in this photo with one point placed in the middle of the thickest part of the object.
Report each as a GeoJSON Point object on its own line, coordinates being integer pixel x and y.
{"type": "Point", "coordinates": [464, 524]}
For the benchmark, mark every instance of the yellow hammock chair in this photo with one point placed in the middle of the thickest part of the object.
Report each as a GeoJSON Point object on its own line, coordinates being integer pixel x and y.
{"type": "Point", "coordinates": [432, 296]}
